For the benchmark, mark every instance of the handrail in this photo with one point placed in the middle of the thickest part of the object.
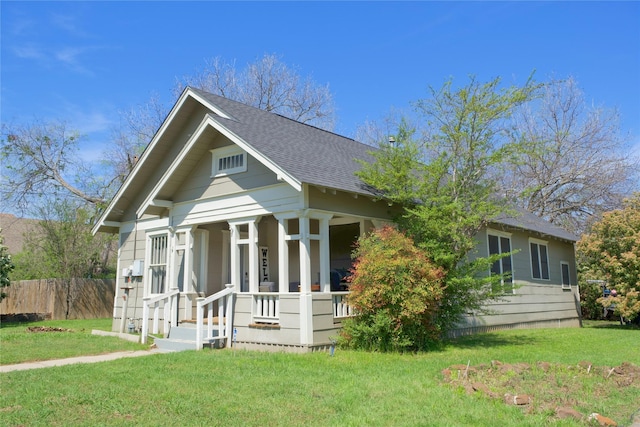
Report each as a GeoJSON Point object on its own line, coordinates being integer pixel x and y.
{"type": "Point", "coordinates": [170, 308]}
{"type": "Point", "coordinates": [225, 316]}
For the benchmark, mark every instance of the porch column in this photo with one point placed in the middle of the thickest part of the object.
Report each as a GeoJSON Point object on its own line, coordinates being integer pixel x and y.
{"type": "Point", "coordinates": [254, 254]}
{"type": "Point", "coordinates": [187, 274]}
{"type": "Point", "coordinates": [306, 299]}
{"type": "Point", "coordinates": [325, 256]}
{"type": "Point", "coordinates": [251, 240]}
{"type": "Point", "coordinates": [283, 255]}
{"type": "Point", "coordinates": [305, 255]}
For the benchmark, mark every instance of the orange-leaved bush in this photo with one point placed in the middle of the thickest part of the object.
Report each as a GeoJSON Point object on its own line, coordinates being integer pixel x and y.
{"type": "Point", "coordinates": [395, 290]}
{"type": "Point", "coordinates": [611, 251]}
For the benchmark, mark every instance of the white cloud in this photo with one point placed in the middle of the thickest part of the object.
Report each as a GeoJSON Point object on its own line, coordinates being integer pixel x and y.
{"type": "Point", "coordinates": [30, 51]}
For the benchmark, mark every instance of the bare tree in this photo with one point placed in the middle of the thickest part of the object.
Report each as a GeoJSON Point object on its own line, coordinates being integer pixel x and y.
{"type": "Point", "coordinates": [270, 85]}
{"type": "Point", "coordinates": [137, 127]}
{"type": "Point", "coordinates": [571, 164]}
{"type": "Point", "coordinates": [40, 161]}
{"type": "Point", "coordinates": [267, 84]}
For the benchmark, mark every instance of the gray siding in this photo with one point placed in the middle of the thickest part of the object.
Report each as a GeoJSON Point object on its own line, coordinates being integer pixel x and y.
{"type": "Point", "coordinates": [200, 185]}
{"type": "Point", "coordinates": [535, 302]}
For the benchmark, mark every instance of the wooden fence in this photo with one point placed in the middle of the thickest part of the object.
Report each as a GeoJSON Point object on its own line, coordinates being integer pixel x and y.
{"type": "Point", "coordinates": [58, 299]}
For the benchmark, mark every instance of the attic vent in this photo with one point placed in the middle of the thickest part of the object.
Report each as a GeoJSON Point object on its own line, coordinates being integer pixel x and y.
{"type": "Point", "coordinates": [228, 160]}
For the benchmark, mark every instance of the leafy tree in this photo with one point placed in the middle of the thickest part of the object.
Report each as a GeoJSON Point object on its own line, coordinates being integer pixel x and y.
{"type": "Point", "coordinates": [611, 251]}
{"type": "Point", "coordinates": [6, 266]}
{"type": "Point", "coordinates": [61, 247]}
{"type": "Point", "coordinates": [572, 164]}
{"type": "Point", "coordinates": [444, 183]}
{"type": "Point", "coordinates": [396, 290]}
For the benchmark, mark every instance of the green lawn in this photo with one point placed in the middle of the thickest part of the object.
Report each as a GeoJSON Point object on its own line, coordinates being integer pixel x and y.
{"type": "Point", "coordinates": [240, 388]}
{"type": "Point", "coordinates": [18, 345]}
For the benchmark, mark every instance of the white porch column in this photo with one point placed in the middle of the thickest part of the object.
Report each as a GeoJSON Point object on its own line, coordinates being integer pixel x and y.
{"type": "Point", "coordinates": [306, 299]}
{"type": "Point", "coordinates": [254, 253]}
{"type": "Point", "coordinates": [305, 255]}
{"type": "Point", "coordinates": [283, 255]}
{"type": "Point", "coordinates": [251, 240]}
{"type": "Point", "coordinates": [325, 256]}
{"type": "Point", "coordinates": [187, 275]}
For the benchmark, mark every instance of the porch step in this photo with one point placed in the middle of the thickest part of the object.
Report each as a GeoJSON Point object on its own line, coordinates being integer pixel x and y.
{"type": "Point", "coordinates": [183, 338]}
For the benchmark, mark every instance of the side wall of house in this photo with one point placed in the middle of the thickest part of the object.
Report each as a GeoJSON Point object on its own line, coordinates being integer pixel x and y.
{"type": "Point", "coordinates": [533, 302]}
{"type": "Point", "coordinates": [132, 244]}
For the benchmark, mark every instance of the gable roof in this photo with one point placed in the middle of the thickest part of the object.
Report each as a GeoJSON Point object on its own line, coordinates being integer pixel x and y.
{"type": "Point", "coordinates": [309, 154]}
{"type": "Point", "coordinates": [299, 153]}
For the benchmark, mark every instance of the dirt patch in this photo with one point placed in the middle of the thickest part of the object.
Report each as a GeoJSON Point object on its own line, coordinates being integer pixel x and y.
{"type": "Point", "coordinates": [47, 329]}
{"type": "Point", "coordinates": [557, 390]}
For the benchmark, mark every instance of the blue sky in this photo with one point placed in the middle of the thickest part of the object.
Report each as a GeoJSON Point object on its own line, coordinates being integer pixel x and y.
{"type": "Point", "coordinates": [83, 62]}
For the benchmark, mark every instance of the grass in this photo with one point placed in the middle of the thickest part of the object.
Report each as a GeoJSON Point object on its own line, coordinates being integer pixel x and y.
{"type": "Point", "coordinates": [18, 345]}
{"type": "Point", "coordinates": [240, 388]}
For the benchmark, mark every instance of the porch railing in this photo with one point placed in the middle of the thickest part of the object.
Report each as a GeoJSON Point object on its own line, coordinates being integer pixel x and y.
{"type": "Point", "coordinates": [341, 307]}
{"type": "Point", "coordinates": [224, 302]}
{"type": "Point", "coordinates": [266, 307]}
{"type": "Point", "coordinates": [169, 301]}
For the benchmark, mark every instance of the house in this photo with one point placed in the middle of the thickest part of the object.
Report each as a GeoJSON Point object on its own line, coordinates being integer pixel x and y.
{"type": "Point", "coordinates": [242, 222]}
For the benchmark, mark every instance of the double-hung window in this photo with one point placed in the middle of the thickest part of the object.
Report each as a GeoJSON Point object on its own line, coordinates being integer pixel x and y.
{"type": "Point", "coordinates": [158, 252]}
{"type": "Point", "coordinates": [500, 243]}
{"type": "Point", "coordinates": [539, 259]}
{"type": "Point", "coordinates": [566, 277]}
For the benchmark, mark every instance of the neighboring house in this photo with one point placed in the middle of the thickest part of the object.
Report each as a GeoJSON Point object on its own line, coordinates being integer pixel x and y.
{"type": "Point", "coordinates": [246, 219]}
{"type": "Point", "coordinates": [14, 230]}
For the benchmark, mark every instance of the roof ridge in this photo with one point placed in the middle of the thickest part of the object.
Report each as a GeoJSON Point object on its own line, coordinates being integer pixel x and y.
{"type": "Point", "coordinates": [282, 116]}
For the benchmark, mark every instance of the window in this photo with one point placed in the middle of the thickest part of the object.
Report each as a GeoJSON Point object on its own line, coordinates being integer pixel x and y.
{"type": "Point", "coordinates": [228, 160]}
{"type": "Point", "coordinates": [501, 244]}
{"type": "Point", "coordinates": [539, 260]}
{"type": "Point", "coordinates": [566, 278]}
{"type": "Point", "coordinates": [158, 263]}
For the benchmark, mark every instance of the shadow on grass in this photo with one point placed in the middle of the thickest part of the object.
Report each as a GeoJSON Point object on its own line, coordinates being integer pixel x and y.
{"type": "Point", "coordinates": [610, 324]}
{"type": "Point", "coordinates": [485, 340]}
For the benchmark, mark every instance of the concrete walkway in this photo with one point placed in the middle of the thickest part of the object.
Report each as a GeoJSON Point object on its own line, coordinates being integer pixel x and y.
{"type": "Point", "coordinates": [75, 360]}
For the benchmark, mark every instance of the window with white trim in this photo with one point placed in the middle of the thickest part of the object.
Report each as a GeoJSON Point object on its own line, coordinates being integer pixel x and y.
{"type": "Point", "coordinates": [158, 251]}
{"type": "Point", "coordinates": [539, 259]}
{"type": "Point", "coordinates": [500, 243]}
{"type": "Point", "coordinates": [228, 160]}
{"type": "Point", "coordinates": [566, 277]}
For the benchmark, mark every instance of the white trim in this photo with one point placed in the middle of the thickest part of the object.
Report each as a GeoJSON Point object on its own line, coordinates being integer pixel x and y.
{"type": "Point", "coordinates": [148, 264]}
{"type": "Point", "coordinates": [539, 243]}
{"type": "Point", "coordinates": [210, 120]}
{"type": "Point", "coordinates": [229, 151]}
{"type": "Point", "coordinates": [505, 235]}
{"type": "Point", "coordinates": [280, 173]}
{"type": "Point", "coordinates": [498, 233]}
{"type": "Point", "coordinates": [173, 166]}
{"type": "Point", "coordinates": [145, 154]}
{"type": "Point", "coordinates": [565, 286]}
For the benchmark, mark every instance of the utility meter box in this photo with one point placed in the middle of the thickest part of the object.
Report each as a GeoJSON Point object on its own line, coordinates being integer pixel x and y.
{"type": "Point", "coordinates": [137, 269]}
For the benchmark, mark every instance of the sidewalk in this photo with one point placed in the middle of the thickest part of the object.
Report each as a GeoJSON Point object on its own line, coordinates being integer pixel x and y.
{"type": "Point", "coordinates": [74, 360]}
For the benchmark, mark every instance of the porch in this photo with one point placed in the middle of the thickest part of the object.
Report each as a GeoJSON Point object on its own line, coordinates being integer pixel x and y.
{"type": "Point", "coordinates": [264, 320]}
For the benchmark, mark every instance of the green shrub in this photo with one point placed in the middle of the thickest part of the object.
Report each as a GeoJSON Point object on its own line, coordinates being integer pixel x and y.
{"type": "Point", "coordinates": [396, 290]}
